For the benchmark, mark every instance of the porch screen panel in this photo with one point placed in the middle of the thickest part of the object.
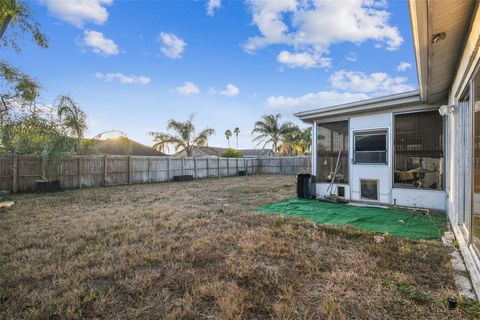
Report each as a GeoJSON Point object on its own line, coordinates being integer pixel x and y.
{"type": "Point", "coordinates": [332, 142]}
{"type": "Point", "coordinates": [419, 144]}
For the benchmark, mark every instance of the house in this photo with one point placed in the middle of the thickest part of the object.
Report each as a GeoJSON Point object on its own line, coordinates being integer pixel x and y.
{"type": "Point", "coordinates": [415, 149]}
{"type": "Point", "coordinates": [124, 146]}
{"type": "Point", "coordinates": [255, 153]}
{"type": "Point", "coordinates": [202, 152]}
{"type": "Point", "coordinates": [216, 151]}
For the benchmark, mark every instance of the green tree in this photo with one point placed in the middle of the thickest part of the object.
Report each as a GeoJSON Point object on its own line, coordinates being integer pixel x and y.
{"type": "Point", "coordinates": [304, 141]}
{"type": "Point", "coordinates": [289, 140]}
{"type": "Point", "coordinates": [236, 131]}
{"type": "Point", "coordinates": [231, 153]}
{"type": "Point", "coordinates": [183, 136]}
{"type": "Point", "coordinates": [17, 89]}
{"type": "Point", "coordinates": [72, 120]}
{"type": "Point", "coordinates": [296, 141]}
{"type": "Point", "coordinates": [228, 135]}
{"type": "Point", "coordinates": [269, 130]}
{"type": "Point", "coordinates": [49, 132]}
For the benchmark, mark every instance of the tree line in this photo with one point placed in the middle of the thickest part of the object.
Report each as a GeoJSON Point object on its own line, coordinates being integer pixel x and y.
{"type": "Point", "coordinates": [284, 138]}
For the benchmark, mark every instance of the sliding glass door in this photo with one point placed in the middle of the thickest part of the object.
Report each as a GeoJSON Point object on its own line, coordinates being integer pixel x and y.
{"type": "Point", "coordinates": [475, 207]}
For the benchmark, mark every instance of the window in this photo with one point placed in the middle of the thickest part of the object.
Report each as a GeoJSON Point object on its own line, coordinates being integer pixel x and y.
{"type": "Point", "coordinates": [419, 150]}
{"type": "Point", "coordinates": [332, 148]}
{"type": "Point", "coordinates": [369, 189]}
{"type": "Point", "coordinates": [476, 166]}
{"type": "Point", "coordinates": [370, 147]}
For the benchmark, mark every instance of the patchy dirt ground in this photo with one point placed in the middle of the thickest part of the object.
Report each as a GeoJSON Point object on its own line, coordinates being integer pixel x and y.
{"type": "Point", "coordinates": [199, 250]}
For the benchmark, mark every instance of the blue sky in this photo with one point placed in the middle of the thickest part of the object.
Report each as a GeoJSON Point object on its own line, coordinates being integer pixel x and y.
{"type": "Point", "coordinates": [132, 65]}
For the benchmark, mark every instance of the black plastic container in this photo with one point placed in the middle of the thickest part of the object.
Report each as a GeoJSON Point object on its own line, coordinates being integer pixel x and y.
{"type": "Point", "coordinates": [242, 173]}
{"type": "Point", "coordinates": [452, 303]}
{"type": "Point", "coordinates": [185, 177]}
{"type": "Point", "coordinates": [48, 186]}
{"type": "Point", "coordinates": [306, 186]}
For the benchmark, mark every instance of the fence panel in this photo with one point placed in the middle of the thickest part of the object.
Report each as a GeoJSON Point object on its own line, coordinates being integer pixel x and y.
{"type": "Point", "coordinates": [19, 172]}
{"type": "Point", "coordinates": [158, 169]}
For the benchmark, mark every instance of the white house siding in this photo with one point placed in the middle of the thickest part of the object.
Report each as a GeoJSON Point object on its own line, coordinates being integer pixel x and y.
{"type": "Point", "coordinates": [321, 189]}
{"type": "Point", "coordinates": [380, 172]}
{"type": "Point", "coordinates": [420, 198]}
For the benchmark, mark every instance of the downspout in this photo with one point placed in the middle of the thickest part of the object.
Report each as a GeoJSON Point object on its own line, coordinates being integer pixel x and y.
{"type": "Point", "coordinates": [314, 149]}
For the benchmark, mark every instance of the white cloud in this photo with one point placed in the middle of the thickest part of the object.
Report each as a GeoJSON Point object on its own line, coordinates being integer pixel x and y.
{"type": "Point", "coordinates": [122, 78]}
{"type": "Point", "coordinates": [375, 83]}
{"type": "Point", "coordinates": [403, 66]}
{"type": "Point", "coordinates": [78, 12]}
{"type": "Point", "coordinates": [314, 25]}
{"type": "Point", "coordinates": [318, 99]}
{"type": "Point", "coordinates": [230, 90]}
{"type": "Point", "coordinates": [188, 88]}
{"type": "Point", "coordinates": [303, 60]}
{"type": "Point", "coordinates": [99, 44]}
{"type": "Point", "coordinates": [172, 46]}
{"type": "Point", "coordinates": [352, 57]}
{"type": "Point", "coordinates": [212, 5]}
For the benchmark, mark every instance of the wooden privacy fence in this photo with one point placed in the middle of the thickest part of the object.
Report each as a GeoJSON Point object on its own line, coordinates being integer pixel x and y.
{"type": "Point", "coordinates": [19, 172]}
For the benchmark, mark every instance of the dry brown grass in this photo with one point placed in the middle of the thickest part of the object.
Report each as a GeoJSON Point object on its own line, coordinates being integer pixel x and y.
{"type": "Point", "coordinates": [199, 250]}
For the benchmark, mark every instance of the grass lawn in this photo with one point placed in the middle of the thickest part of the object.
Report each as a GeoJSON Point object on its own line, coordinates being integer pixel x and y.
{"type": "Point", "coordinates": [200, 250]}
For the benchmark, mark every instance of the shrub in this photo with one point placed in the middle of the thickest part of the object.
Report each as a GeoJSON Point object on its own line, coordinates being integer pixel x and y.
{"type": "Point", "coordinates": [231, 153]}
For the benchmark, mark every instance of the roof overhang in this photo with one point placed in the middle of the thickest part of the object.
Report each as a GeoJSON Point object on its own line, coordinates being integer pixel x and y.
{"type": "Point", "coordinates": [363, 106]}
{"type": "Point", "coordinates": [439, 30]}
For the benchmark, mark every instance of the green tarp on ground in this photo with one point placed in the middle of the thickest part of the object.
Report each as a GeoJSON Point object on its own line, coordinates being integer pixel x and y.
{"type": "Point", "coordinates": [395, 222]}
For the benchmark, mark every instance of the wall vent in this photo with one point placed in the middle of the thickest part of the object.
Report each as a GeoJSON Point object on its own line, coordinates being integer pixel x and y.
{"type": "Point", "coordinates": [341, 192]}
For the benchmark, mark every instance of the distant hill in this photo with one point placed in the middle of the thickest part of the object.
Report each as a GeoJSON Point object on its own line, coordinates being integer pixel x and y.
{"type": "Point", "coordinates": [125, 146]}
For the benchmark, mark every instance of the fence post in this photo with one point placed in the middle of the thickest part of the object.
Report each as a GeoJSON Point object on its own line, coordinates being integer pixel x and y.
{"type": "Point", "coordinates": [228, 167]}
{"type": "Point", "coordinates": [44, 174]}
{"type": "Point", "coordinates": [79, 177]}
{"type": "Point", "coordinates": [105, 171]}
{"type": "Point", "coordinates": [236, 173]}
{"type": "Point", "coordinates": [14, 173]}
{"type": "Point", "coordinates": [208, 172]}
{"type": "Point", "coordinates": [195, 167]}
{"type": "Point", "coordinates": [280, 164]}
{"type": "Point", "coordinates": [61, 172]}
{"type": "Point", "coordinates": [148, 170]}
{"type": "Point", "coordinates": [218, 160]}
{"type": "Point", "coordinates": [129, 169]}
{"type": "Point", "coordinates": [183, 166]}
{"type": "Point", "coordinates": [168, 169]}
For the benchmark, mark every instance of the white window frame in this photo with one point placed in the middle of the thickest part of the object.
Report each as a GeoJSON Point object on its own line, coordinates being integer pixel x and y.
{"type": "Point", "coordinates": [372, 132]}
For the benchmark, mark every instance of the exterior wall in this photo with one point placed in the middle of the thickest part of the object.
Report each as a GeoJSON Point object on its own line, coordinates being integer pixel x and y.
{"type": "Point", "coordinates": [380, 172]}
{"type": "Point", "coordinates": [459, 165]}
{"type": "Point", "coordinates": [418, 198]}
{"type": "Point", "coordinates": [321, 189]}
{"type": "Point", "coordinates": [429, 199]}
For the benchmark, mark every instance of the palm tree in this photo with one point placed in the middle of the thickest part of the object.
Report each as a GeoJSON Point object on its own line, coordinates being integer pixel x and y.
{"type": "Point", "coordinates": [236, 131]}
{"type": "Point", "coordinates": [73, 120]}
{"type": "Point", "coordinates": [269, 130]}
{"type": "Point", "coordinates": [183, 136]}
{"type": "Point", "coordinates": [228, 135]}
{"type": "Point", "coordinates": [303, 142]}
{"type": "Point", "coordinates": [289, 140]}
